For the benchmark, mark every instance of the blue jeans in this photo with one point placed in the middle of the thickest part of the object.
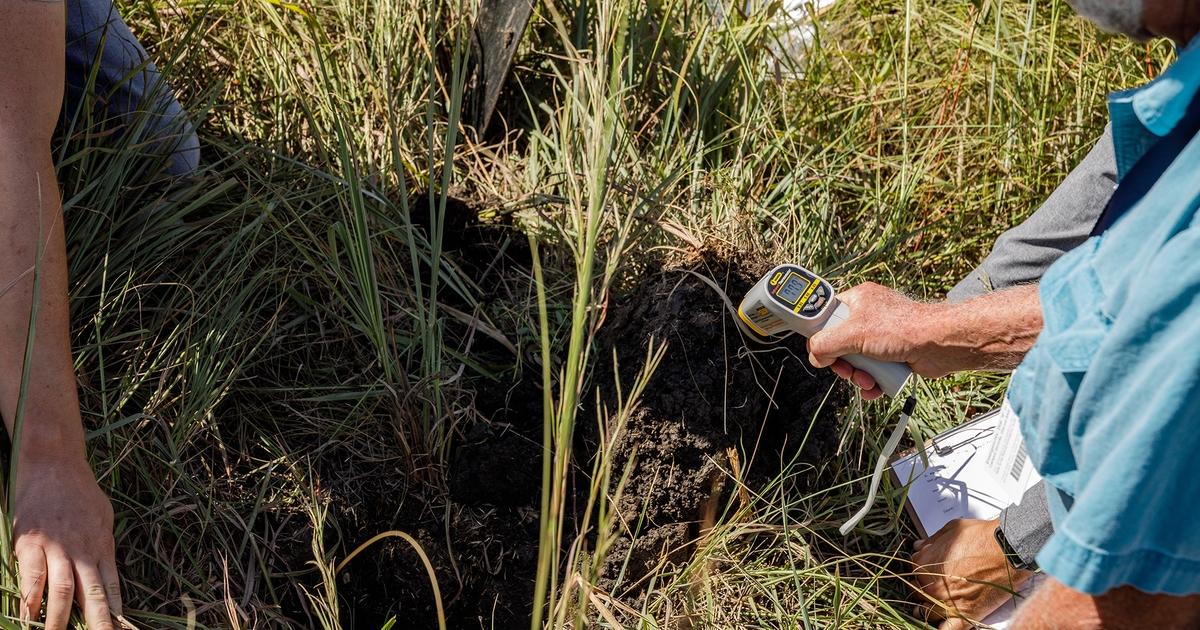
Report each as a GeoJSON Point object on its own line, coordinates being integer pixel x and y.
{"type": "Point", "coordinates": [126, 85]}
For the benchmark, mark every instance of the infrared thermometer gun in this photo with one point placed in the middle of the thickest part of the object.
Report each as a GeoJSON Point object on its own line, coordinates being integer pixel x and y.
{"type": "Point", "coordinates": [792, 298]}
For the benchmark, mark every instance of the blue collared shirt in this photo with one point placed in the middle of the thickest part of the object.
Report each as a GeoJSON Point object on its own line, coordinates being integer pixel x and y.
{"type": "Point", "coordinates": [1109, 397]}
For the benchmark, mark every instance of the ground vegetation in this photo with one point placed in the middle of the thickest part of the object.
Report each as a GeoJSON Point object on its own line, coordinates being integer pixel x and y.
{"type": "Point", "coordinates": [327, 368]}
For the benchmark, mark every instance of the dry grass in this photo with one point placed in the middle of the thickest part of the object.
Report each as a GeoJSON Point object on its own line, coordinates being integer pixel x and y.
{"type": "Point", "coordinates": [238, 333]}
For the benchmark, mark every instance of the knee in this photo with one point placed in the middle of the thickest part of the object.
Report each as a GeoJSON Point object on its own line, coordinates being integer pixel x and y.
{"type": "Point", "coordinates": [185, 159]}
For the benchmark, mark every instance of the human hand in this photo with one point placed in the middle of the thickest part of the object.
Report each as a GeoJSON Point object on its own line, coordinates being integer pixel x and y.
{"type": "Point", "coordinates": [883, 325]}
{"type": "Point", "coordinates": [992, 331]}
{"type": "Point", "coordinates": [63, 524]}
{"type": "Point", "coordinates": [963, 573]}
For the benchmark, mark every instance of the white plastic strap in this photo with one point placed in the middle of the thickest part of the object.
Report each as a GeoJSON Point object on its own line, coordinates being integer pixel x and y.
{"type": "Point", "coordinates": [881, 464]}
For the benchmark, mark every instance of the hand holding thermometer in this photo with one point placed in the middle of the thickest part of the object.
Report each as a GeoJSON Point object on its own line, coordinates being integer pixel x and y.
{"type": "Point", "coordinates": [792, 298]}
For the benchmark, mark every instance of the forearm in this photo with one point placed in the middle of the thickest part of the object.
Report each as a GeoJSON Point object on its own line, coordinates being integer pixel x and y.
{"type": "Point", "coordinates": [1056, 607]}
{"type": "Point", "coordinates": [990, 332]}
{"type": "Point", "coordinates": [31, 85]}
{"type": "Point", "coordinates": [29, 209]}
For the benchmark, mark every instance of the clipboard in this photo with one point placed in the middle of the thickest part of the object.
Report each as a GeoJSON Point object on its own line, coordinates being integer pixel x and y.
{"type": "Point", "coordinates": [975, 470]}
{"type": "Point", "coordinates": [956, 474]}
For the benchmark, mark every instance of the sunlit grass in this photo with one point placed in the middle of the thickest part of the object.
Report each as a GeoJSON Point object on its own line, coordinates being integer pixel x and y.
{"type": "Point", "coordinates": [286, 307]}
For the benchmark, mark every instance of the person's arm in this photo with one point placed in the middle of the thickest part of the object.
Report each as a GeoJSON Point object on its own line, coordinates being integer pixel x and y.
{"type": "Point", "coordinates": [1056, 607]}
{"type": "Point", "coordinates": [990, 332]}
{"type": "Point", "coordinates": [955, 335]}
{"type": "Point", "coordinates": [62, 520]}
{"type": "Point", "coordinates": [1023, 253]}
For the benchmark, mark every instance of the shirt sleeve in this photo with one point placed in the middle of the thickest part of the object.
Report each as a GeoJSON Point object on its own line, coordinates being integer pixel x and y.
{"type": "Point", "coordinates": [1027, 526]}
{"type": "Point", "coordinates": [1134, 434]}
{"type": "Point", "coordinates": [1022, 254]}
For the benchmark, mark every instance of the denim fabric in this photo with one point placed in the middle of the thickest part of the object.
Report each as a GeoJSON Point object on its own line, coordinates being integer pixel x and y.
{"type": "Point", "coordinates": [126, 83]}
{"type": "Point", "coordinates": [1109, 397]}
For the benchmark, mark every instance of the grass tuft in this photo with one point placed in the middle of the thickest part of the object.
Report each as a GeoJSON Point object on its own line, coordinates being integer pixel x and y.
{"type": "Point", "coordinates": [287, 340]}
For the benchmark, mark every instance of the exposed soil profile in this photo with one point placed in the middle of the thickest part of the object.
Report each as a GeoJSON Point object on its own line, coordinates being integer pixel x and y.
{"type": "Point", "coordinates": [718, 405]}
{"type": "Point", "coordinates": [710, 397]}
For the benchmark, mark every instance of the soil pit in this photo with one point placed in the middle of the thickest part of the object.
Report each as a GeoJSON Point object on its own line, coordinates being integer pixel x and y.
{"type": "Point", "coordinates": [706, 411]}
{"type": "Point", "coordinates": [718, 405]}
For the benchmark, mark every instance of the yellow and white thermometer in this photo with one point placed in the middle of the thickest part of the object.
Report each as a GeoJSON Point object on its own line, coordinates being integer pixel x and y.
{"type": "Point", "coordinates": [792, 298]}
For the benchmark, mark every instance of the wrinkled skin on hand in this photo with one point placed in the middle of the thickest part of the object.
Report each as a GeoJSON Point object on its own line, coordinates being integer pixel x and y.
{"type": "Point", "coordinates": [992, 331]}
{"type": "Point", "coordinates": [880, 327]}
{"type": "Point", "coordinates": [962, 574]}
{"type": "Point", "coordinates": [63, 525]}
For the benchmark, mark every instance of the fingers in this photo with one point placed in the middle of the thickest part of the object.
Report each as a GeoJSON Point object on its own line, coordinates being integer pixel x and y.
{"type": "Point", "coordinates": [863, 380]}
{"type": "Point", "coordinates": [60, 590]}
{"type": "Point", "coordinates": [841, 368]}
{"type": "Point", "coordinates": [829, 344]}
{"type": "Point", "coordinates": [956, 623]}
{"type": "Point", "coordinates": [922, 549]}
{"type": "Point", "coordinates": [96, 589]}
{"type": "Point", "coordinates": [32, 563]}
{"type": "Point", "coordinates": [929, 613]}
{"type": "Point", "coordinates": [112, 584]}
{"type": "Point", "coordinates": [92, 597]}
{"type": "Point", "coordinates": [871, 394]}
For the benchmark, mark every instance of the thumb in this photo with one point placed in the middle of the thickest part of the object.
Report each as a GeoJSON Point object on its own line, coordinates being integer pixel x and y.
{"type": "Point", "coordinates": [831, 343]}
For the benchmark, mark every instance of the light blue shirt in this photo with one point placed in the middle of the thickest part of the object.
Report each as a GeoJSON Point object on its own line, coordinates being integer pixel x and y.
{"type": "Point", "coordinates": [1109, 397]}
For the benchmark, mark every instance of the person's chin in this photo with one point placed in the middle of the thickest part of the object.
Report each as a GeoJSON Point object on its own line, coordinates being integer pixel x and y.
{"type": "Point", "coordinates": [1114, 20]}
{"type": "Point", "coordinates": [1140, 36]}
{"type": "Point", "coordinates": [1135, 31]}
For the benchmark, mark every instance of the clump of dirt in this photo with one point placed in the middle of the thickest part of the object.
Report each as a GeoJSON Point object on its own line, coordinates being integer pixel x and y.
{"type": "Point", "coordinates": [719, 404]}
{"type": "Point", "coordinates": [500, 462]}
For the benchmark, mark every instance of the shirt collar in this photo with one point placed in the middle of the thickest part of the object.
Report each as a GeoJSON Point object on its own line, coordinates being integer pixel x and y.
{"type": "Point", "coordinates": [1143, 115]}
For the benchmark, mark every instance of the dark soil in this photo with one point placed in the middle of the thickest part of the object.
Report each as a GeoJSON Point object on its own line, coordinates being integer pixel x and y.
{"type": "Point", "coordinates": [718, 404]}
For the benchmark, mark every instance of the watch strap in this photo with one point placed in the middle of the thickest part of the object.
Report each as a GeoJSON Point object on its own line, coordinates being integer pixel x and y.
{"type": "Point", "coordinates": [1014, 559]}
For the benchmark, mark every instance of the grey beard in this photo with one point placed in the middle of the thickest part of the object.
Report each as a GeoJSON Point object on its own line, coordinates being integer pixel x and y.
{"type": "Point", "coordinates": [1115, 16]}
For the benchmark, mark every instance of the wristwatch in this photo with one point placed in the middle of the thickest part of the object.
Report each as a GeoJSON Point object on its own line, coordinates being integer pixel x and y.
{"type": "Point", "coordinates": [1014, 559]}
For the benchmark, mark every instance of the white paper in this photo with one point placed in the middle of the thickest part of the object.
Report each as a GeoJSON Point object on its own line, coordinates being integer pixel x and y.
{"type": "Point", "coordinates": [1007, 459]}
{"type": "Point", "coordinates": [959, 483]}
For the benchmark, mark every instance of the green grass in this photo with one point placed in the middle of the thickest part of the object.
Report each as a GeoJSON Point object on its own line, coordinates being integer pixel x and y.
{"type": "Point", "coordinates": [287, 307]}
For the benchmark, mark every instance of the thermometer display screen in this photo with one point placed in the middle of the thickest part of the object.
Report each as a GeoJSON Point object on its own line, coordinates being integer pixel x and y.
{"type": "Point", "coordinates": [792, 289]}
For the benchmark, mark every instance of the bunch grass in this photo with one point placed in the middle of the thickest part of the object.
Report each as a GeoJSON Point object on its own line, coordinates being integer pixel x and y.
{"type": "Point", "coordinates": [287, 306]}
